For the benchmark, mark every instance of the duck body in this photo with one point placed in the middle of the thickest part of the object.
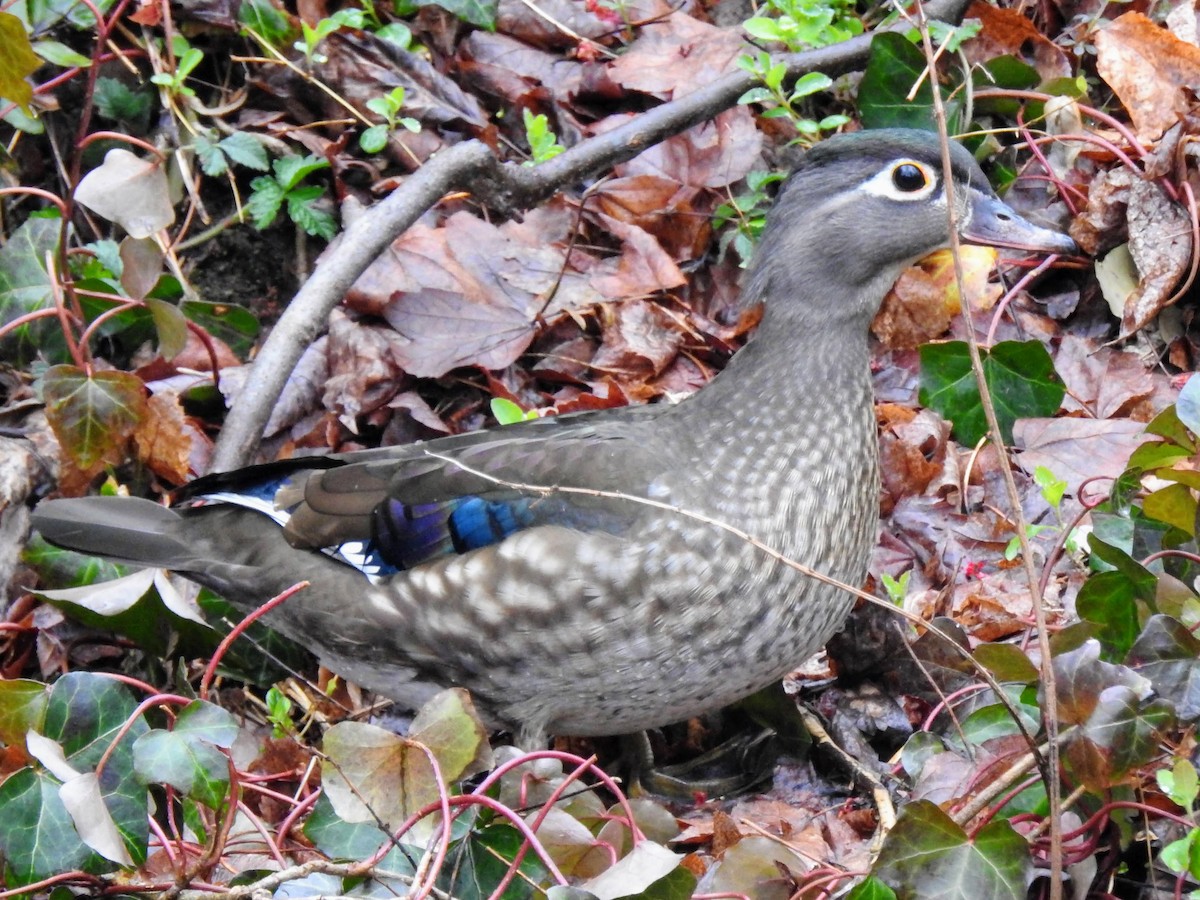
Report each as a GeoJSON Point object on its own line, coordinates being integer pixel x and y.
{"type": "Point", "coordinates": [583, 612]}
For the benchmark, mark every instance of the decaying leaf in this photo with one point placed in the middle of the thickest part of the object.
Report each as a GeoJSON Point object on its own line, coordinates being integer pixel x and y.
{"type": "Point", "coordinates": [1151, 70]}
{"type": "Point", "coordinates": [130, 191]}
{"type": "Point", "coordinates": [920, 305]}
{"type": "Point", "coordinates": [1160, 240]}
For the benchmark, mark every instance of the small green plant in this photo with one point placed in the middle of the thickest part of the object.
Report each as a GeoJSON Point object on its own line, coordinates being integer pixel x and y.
{"type": "Point", "coordinates": [187, 58]}
{"type": "Point", "coordinates": [543, 143]}
{"type": "Point", "coordinates": [747, 212]}
{"type": "Point", "coordinates": [1052, 489]}
{"type": "Point", "coordinates": [312, 35]}
{"type": "Point", "coordinates": [805, 24]}
{"type": "Point", "coordinates": [781, 103]}
{"type": "Point", "coordinates": [389, 105]}
{"type": "Point", "coordinates": [241, 148]}
{"type": "Point", "coordinates": [508, 413]}
{"type": "Point", "coordinates": [1051, 486]}
{"type": "Point", "coordinates": [270, 192]}
{"type": "Point", "coordinates": [1182, 785]}
{"type": "Point", "coordinates": [896, 588]}
{"type": "Point", "coordinates": [279, 713]}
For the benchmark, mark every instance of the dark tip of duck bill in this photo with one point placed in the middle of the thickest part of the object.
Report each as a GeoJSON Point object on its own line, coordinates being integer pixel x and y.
{"type": "Point", "coordinates": [994, 222]}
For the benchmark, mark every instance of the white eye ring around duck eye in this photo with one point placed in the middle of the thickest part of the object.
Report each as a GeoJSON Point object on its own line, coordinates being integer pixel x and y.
{"type": "Point", "coordinates": [909, 178]}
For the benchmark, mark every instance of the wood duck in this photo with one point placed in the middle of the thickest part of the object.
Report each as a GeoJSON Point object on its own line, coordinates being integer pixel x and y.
{"type": "Point", "coordinates": [585, 614]}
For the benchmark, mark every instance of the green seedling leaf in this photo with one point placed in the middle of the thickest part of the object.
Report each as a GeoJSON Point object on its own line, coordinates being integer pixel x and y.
{"type": "Point", "coordinates": [396, 33]}
{"type": "Point", "coordinates": [1180, 783]}
{"type": "Point", "coordinates": [117, 101]}
{"type": "Point", "coordinates": [303, 212]}
{"type": "Point", "coordinates": [60, 54]}
{"type": "Point", "coordinates": [1019, 375]}
{"type": "Point", "coordinates": [268, 21]}
{"type": "Point", "coordinates": [811, 83]}
{"type": "Point", "coordinates": [291, 170]}
{"type": "Point", "coordinates": [265, 201]}
{"type": "Point", "coordinates": [1183, 855]}
{"type": "Point", "coordinates": [543, 143]}
{"type": "Point", "coordinates": [246, 150]}
{"type": "Point", "coordinates": [1052, 488]}
{"type": "Point", "coordinates": [373, 139]}
{"type": "Point", "coordinates": [508, 413]}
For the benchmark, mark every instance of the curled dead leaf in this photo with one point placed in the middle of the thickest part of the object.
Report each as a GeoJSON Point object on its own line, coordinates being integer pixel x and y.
{"type": "Point", "coordinates": [1153, 72]}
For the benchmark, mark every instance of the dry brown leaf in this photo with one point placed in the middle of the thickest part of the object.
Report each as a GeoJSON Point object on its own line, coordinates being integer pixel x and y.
{"type": "Point", "coordinates": [1077, 449]}
{"type": "Point", "coordinates": [713, 154]}
{"type": "Point", "coordinates": [725, 832]}
{"type": "Point", "coordinates": [163, 439]}
{"type": "Point", "coordinates": [662, 207]}
{"type": "Point", "coordinates": [1103, 382]}
{"type": "Point", "coordinates": [1101, 225]}
{"type": "Point", "coordinates": [639, 340]}
{"type": "Point", "coordinates": [1160, 239]}
{"type": "Point", "coordinates": [677, 55]}
{"type": "Point", "coordinates": [924, 299]}
{"type": "Point", "coordinates": [498, 65]}
{"type": "Point", "coordinates": [1007, 32]}
{"type": "Point", "coordinates": [1154, 73]}
{"type": "Point", "coordinates": [363, 372]}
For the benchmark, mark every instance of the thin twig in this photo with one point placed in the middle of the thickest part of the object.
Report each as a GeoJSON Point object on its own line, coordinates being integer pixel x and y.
{"type": "Point", "coordinates": [1050, 769]}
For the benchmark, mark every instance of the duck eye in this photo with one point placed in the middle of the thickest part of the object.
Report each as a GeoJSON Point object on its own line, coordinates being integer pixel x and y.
{"type": "Point", "coordinates": [909, 177]}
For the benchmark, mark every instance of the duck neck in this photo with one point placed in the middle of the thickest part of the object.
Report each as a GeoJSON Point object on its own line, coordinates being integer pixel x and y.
{"type": "Point", "coordinates": [796, 368]}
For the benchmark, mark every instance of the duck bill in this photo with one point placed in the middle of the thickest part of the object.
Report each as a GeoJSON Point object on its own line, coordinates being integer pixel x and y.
{"type": "Point", "coordinates": [994, 222]}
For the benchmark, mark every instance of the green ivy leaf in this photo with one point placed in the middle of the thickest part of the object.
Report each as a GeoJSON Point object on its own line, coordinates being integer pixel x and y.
{"type": "Point", "coordinates": [93, 415]}
{"type": "Point", "coordinates": [893, 67]}
{"type": "Point", "coordinates": [927, 855]}
{"type": "Point", "coordinates": [1019, 375]}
